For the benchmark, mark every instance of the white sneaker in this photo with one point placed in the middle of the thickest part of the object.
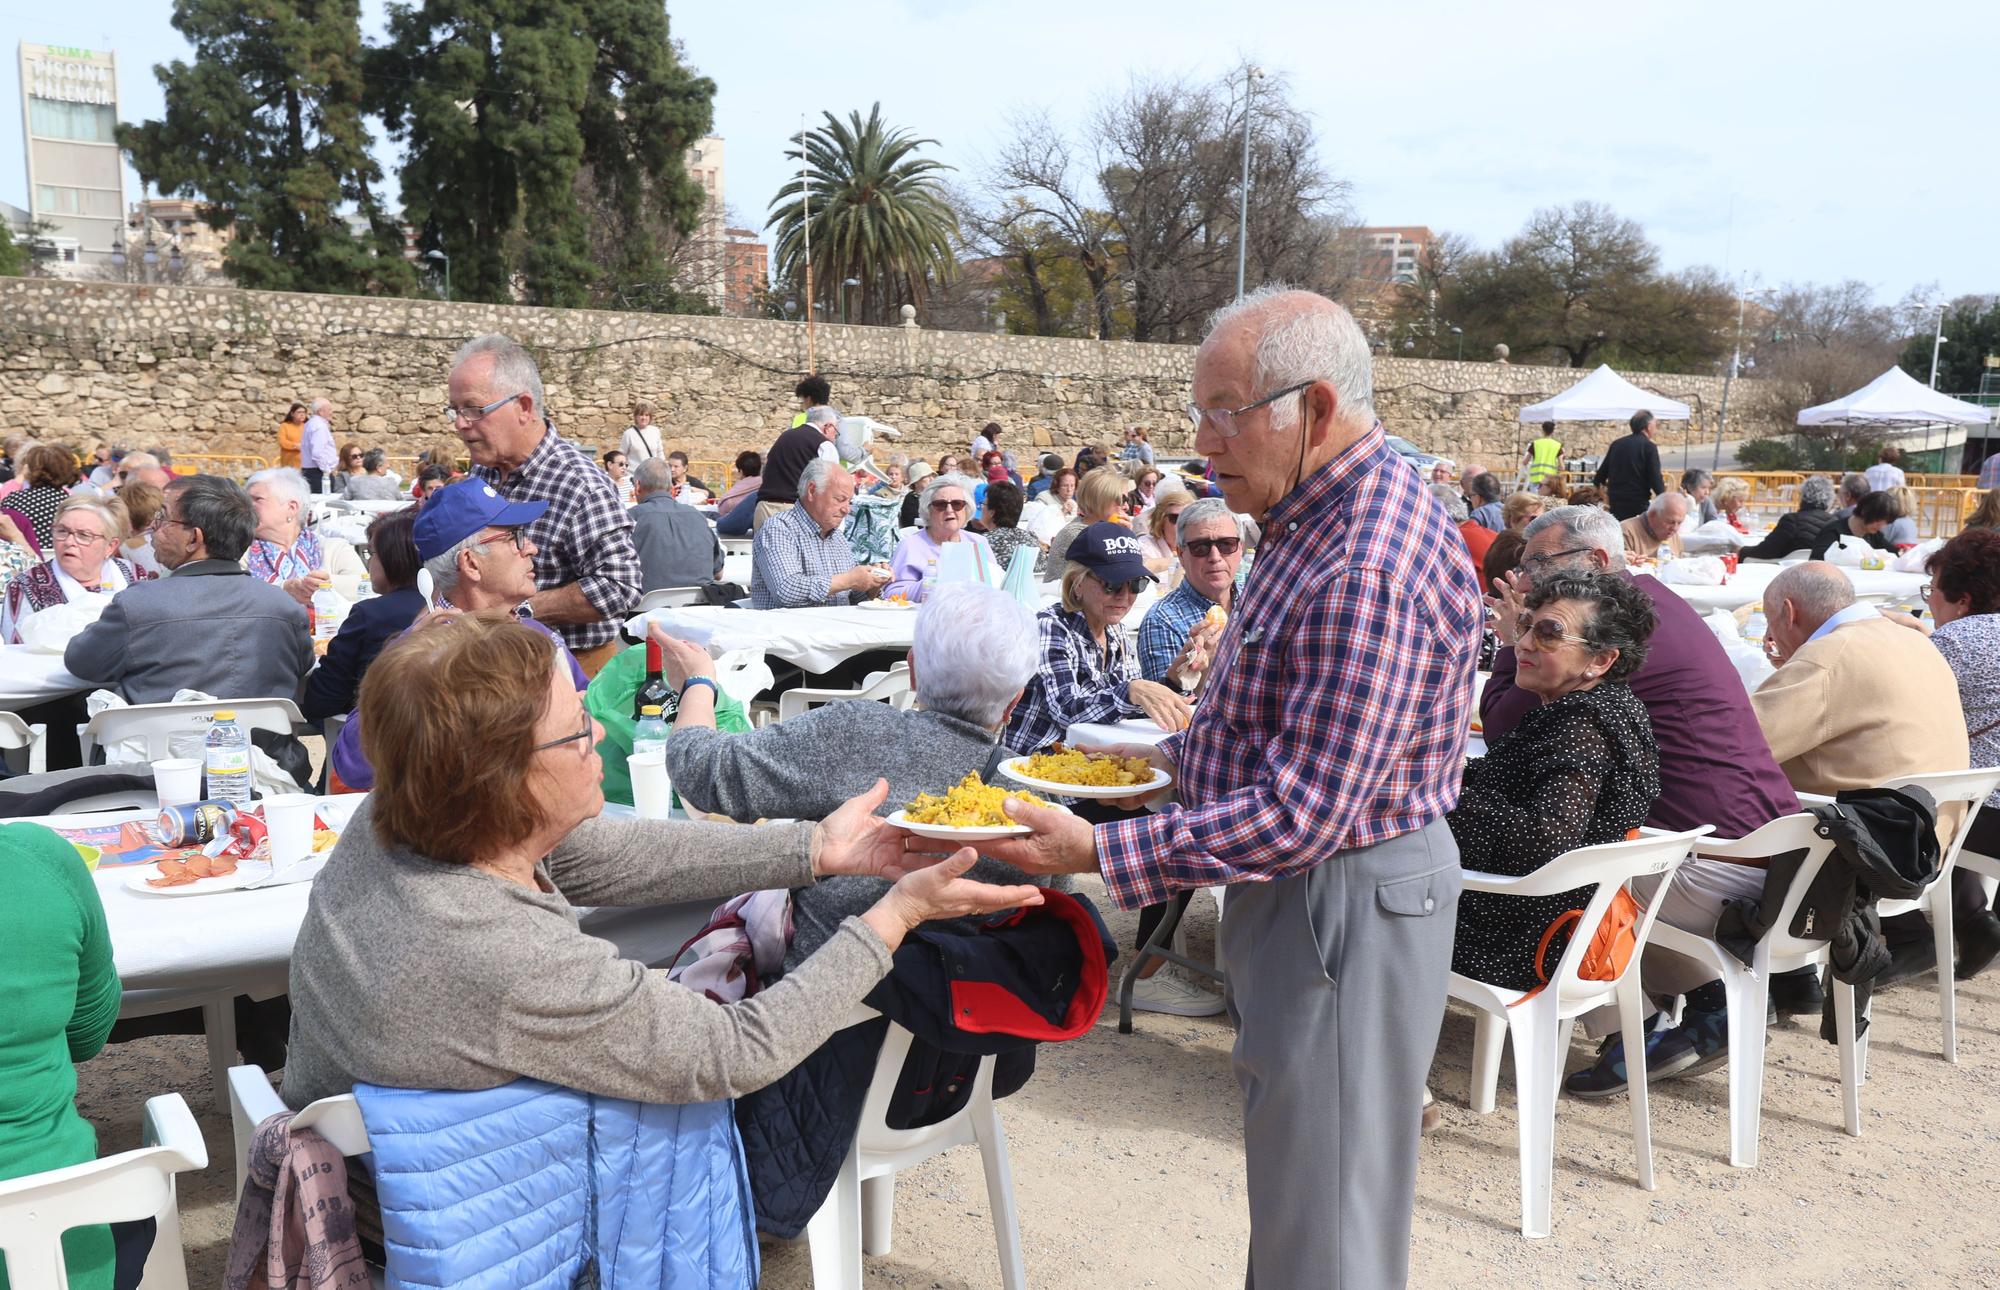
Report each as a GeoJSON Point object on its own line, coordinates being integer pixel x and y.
{"type": "Point", "coordinates": [1168, 992]}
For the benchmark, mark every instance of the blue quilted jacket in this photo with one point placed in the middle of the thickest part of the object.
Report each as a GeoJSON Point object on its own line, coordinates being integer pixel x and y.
{"type": "Point", "coordinates": [490, 1190]}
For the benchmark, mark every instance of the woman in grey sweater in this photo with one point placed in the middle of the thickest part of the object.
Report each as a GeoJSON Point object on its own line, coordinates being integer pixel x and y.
{"type": "Point", "coordinates": [974, 649]}
{"type": "Point", "coordinates": [441, 950]}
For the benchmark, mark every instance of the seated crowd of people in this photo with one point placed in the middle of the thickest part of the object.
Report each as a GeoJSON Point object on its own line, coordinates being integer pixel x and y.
{"type": "Point", "coordinates": [473, 722]}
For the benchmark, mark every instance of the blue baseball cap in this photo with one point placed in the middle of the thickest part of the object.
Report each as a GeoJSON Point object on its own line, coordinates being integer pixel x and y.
{"type": "Point", "coordinates": [1112, 552]}
{"type": "Point", "coordinates": [457, 511]}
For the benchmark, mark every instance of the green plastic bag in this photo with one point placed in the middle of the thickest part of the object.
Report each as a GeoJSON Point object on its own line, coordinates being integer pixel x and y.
{"type": "Point", "coordinates": [609, 699]}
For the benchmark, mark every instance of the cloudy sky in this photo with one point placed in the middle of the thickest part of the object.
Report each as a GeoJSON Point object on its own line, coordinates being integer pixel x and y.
{"type": "Point", "coordinates": [1794, 141]}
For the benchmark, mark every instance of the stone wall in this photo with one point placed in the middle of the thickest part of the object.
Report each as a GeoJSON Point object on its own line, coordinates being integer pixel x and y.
{"type": "Point", "coordinates": [212, 370]}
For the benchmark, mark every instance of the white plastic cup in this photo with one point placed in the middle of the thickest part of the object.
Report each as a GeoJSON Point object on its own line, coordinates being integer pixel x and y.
{"type": "Point", "coordinates": [177, 780]}
{"type": "Point", "coordinates": [288, 818]}
{"type": "Point", "coordinates": [652, 792]}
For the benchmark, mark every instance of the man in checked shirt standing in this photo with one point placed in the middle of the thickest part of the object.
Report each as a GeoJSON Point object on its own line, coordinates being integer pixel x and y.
{"type": "Point", "coordinates": [1315, 780]}
{"type": "Point", "coordinates": [585, 563]}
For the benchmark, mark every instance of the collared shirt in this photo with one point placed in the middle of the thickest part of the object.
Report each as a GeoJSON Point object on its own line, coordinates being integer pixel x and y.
{"type": "Point", "coordinates": [1166, 629]}
{"type": "Point", "coordinates": [793, 564]}
{"type": "Point", "coordinates": [316, 444]}
{"type": "Point", "coordinates": [1076, 682]}
{"type": "Point", "coordinates": [1989, 472]}
{"type": "Point", "coordinates": [1882, 476]}
{"type": "Point", "coordinates": [1854, 613]}
{"type": "Point", "coordinates": [585, 537]}
{"type": "Point", "coordinates": [1337, 713]}
{"type": "Point", "coordinates": [269, 562]}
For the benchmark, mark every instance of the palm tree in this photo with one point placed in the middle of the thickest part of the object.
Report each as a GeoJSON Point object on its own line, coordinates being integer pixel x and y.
{"type": "Point", "coordinates": [879, 215]}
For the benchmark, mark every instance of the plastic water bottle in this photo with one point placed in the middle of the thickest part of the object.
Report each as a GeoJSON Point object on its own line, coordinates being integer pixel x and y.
{"type": "Point", "coordinates": [366, 591]}
{"type": "Point", "coordinates": [228, 760]}
{"type": "Point", "coordinates": [651, 732]}
{"type": "Point", "coordinates": [329, 612]}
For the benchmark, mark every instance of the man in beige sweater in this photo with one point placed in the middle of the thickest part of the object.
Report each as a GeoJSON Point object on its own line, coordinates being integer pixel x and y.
{"type": "Point", "coordinates": [1856, 702]}
{"type": "Point", "coordinates": [1657, 526]}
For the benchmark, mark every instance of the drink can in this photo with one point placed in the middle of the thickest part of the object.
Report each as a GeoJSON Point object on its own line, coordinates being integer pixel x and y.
{"type": "Point", "coordinates": [195, 824]}
{"type": "Point", "coordinates": [1729, 563]}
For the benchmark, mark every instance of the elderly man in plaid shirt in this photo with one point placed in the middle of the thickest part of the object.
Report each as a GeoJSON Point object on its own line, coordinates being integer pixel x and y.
{"type": "Point", "coordinates": [585, 563]}
{"type": "Point", "coordinates": [1315, 780]}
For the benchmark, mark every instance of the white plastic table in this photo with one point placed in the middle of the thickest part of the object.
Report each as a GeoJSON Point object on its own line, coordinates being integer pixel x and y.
{"type": "Point", "coordinates": [28, 677]}
{"type": "Point", "coordinates": [813, 640]}
{"type": "Point", "coordinates": [1747, 585]}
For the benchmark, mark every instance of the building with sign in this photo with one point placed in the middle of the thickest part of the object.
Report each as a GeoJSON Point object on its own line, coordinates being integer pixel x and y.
{"type": "Point", "coordinates": [76, 177]}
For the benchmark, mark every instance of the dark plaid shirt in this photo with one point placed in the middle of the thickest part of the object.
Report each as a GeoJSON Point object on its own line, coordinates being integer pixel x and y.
{"type": "Point", "coordinates": [585, 536]}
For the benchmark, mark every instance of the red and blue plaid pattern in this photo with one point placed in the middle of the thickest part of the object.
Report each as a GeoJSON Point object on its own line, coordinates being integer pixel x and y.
{"type": "Point", "coordinates": [1337, 713]}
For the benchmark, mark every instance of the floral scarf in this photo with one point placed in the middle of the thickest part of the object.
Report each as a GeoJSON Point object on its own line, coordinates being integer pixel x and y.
{"type": "Point", "coordinates": [270, 562]}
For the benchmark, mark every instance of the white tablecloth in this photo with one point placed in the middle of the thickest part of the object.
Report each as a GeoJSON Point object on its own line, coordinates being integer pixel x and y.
{"type": "Point", "coordinates": [815, 640]}
{"type": "Point", "coordinates": [28, 678]}
{"type": "Point", "coordinates": [1747, 586]}
{"type": "Point", "coordinates": [1139, 731]}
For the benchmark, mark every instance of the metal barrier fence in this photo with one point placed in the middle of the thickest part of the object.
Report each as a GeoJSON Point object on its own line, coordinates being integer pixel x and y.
{"type": "Point", "coordinates": [1941, 507]}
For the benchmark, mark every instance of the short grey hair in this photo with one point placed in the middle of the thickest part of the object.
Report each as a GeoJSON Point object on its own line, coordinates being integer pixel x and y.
{"type": "Point", "coordinates": [1659, 502]}
{"type": "Point", "coordinates": [444, 565]}
{"type": "Point", "coordinates": [936, 483]}
{"type": "Point", "coordinates": [373, 460]}
{"type": "Point", "coordinates": [975, 648]}
{"type": "Point", "coordinates": [816, 473]}
{"type": "Point", "coordinates": [1589, 526]}
{"type": "Point", "coordinates": [821, 415]}
{"type": "Point", "coordinates": [286, 478]}
{"type": "Point", "coordinates": [653, 475]}
{"type": "Point", "coordinates": [1694, 477]}
{"type": "Point", "coordinates": [1303, 336]}
{"type": "Point", "coordinates": [115, 527]}
{"type": "Point", "coordinates": [1816, 494]}
{"type": "Point", "coordinates": [1453, 502]}
{"type": "Point", "coordinates": [1854, 486]}
{"type": "Point", "coordinates": [141, 460]}
{"type": "Point", "coordinates": [1819, 589]}
{"type": "Point", "coordinates": [1201, 511]}
{"type": "Point", "coordinates": [321, 406]}
{"type": "Point", "coordinates": [513, 367]}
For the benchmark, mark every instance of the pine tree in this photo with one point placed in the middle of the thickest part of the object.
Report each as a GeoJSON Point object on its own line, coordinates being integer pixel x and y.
{"type": "Point", "coordinates": [544, 140]}
{"type": "Point", "coordinates": [265, 127]}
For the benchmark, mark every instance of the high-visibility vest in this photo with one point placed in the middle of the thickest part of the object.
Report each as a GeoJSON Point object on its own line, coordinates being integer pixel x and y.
{"type": "Point", "coordinates": [1544, 459]}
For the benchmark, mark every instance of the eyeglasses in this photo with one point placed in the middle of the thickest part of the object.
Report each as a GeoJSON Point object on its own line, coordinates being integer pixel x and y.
{"type": "Point", "coordinates": [163, 519]}
{"type": "Point", "coordinates": [518, 537]}
{"type": "Point", "coordinates": [1133, 587]}
{"type": "Point", "coordinates": [1546, 558]}
{"type": "Point", "coordinates": [1548, 633]}
{"type": "Point", "coordinates": [1925, 590]}
{"type": "Point", "coordinates": [470, 413]}
{"type": "Point", "coordinates": [1224, 419]}
{"type": "Point", "coordinates": [946, 504]}
{"type": "Point", "coordinates": [63, 533]}
{"type": "Point", "coordinates": [585, 735]}
{"type": "Point", "coordinates": [1202, 548]}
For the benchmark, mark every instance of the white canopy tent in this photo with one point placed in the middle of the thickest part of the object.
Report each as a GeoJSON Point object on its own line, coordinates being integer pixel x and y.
{"type": "Point", "coordinates": [1604, 396]}
{"type": "Point", "coordinates": [1896, 398]}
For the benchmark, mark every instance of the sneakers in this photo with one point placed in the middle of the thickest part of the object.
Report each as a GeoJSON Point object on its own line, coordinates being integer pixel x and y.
{"type": "Point", "coordinates": [1708, 1037]}
{"type": "Point", "coordinates": [1797, 993]}
{"type": "Point", "coordinates": [1978, 944]}
{"type": "Point", "coordinates": [1906, 960]}
{"type": "Point", "coordinates": [1668, 1053]}
{"type": "Point", "coordinates": [1168, 992]}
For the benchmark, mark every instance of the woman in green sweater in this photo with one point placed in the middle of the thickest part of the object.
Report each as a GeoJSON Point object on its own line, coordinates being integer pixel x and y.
{"type": "Point", "coordinates": [62, 996]}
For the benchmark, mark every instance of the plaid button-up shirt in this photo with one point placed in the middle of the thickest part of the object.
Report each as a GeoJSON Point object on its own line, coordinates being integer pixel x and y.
{"type": "Point", "coordinates": [1337, 713]}
{"type": "Point", "coordinates": [585, 537]}
{"type": "Point", "coordinates": [1167, 627]}
{"type": "Point", "coordinates": [1076, 682]}
{"type": "Point", "coordinates": [793, 564]}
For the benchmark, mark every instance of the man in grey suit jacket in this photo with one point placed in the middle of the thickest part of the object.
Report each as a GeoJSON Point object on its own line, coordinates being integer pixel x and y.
{"type": "Point", "coordinates": [209, 626]}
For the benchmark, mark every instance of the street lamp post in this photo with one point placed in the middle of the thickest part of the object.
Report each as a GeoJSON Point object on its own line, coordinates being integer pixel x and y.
{"type": "Point", "coordinates": [1937, 345]}
{"type": "Point", "coordinates": [846, 285]}
{"type": "Point", "coordinates": [1460, 333]}
{"type": "Point", "coordinates": [1729, 377]}
{"type": "Point", "coordinates": [1250, 77]}
{"type": "Point", "coordinates": [440, 255]}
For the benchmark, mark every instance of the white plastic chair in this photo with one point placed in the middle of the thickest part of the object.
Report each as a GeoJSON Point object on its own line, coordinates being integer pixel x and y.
{"type": "Point", "coordinates": [668, 598]}
{"type": "Point", "coordinates": [891, 687]}
{"type": "Point", "coordinates": [17, 735]}
{"type": "Point", "coordinates": [36, 1210]}
{"type": "Point", "coordinates": [1748, 989]}
{"type": "Point", "coordinates": [252, 1101]}
{"type": "Point", "coordinates": [156, 723]}
{"type": "Point", "coordinates": [1541, 1026]}
{"type": "Point", "coordinates": [859, 1213]}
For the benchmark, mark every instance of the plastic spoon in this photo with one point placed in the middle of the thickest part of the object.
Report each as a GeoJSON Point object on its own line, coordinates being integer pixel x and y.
{"type": "Point", "coordinates": [425, 587]}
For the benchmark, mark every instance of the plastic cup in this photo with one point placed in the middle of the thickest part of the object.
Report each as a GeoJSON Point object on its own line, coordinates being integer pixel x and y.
{"type": "Point", "coordinates": [652, 792]}
{"type": "Point", "coordinates": [289, 819]}
{"type": "Point", "coordinates": [177, 780]}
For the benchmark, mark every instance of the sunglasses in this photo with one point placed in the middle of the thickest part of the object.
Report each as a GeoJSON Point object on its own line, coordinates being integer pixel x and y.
{"type": "Point", "coordinates": [947, 505]}
{"type": "Point", "coordinates": [1548, 633]}
{"type": "Point", "coordinates": [1202, 548]}
{"type": "Point", "coordinates": [1133, 587]}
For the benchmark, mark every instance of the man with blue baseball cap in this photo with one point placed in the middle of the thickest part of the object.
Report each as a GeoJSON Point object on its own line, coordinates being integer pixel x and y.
{"type": "Point", "coordinates": [471, 542]}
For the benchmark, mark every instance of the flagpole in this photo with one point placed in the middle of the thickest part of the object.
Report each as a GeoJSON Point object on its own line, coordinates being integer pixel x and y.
{"type": "Point", "coordinates": [805, 179]}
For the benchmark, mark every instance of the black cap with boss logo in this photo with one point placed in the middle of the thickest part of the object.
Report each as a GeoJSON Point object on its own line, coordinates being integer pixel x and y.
{"type": "Point", "coordinates": [1112, 552]}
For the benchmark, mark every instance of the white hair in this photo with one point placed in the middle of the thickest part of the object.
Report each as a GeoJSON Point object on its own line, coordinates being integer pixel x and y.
{"type": "Point", "coordinates": [816, 473]}
{"type": "Point", "coordinates": [1819, 590]}
{"type": "Point", "coordinates": [114, 528]}
{"type": "Point", "coordinates": [1659, 502]}
{"type": "Point", "coordinates": [285, 478]}
{"type": "Point", "coordinates": [514, 368]}
{"type": "Point", "coordinates": [444, 565]}
{"type": "Point", "coordinates": [653, 475]}
{"type": "Point", "coordinates": [937, 483]}
{"type": "Point", "coordinates": [975, 649]}
{"type": "Point", "coordinates": [1589, 526]}
{"type": "Point", "coordinates": [1453, 502]}
{"type": "Point", "coordinates": [1201, 511]}
{"type": "Point", "coordinates": [1302, 336]}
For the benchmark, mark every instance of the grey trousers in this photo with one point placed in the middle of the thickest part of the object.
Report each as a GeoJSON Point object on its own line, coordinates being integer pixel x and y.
{"type": "Point", "coordinates": [1337, 988]}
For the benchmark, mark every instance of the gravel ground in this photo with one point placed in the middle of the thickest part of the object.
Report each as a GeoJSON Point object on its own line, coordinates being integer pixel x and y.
{"type": "Point", "coordinates": [1126, 1159]}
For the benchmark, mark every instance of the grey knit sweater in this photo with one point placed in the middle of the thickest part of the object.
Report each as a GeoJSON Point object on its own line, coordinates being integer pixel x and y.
{"type": "Point", "coordinates": [805, 767]}
{"type": "Point", "coordinates": [413, 973]}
